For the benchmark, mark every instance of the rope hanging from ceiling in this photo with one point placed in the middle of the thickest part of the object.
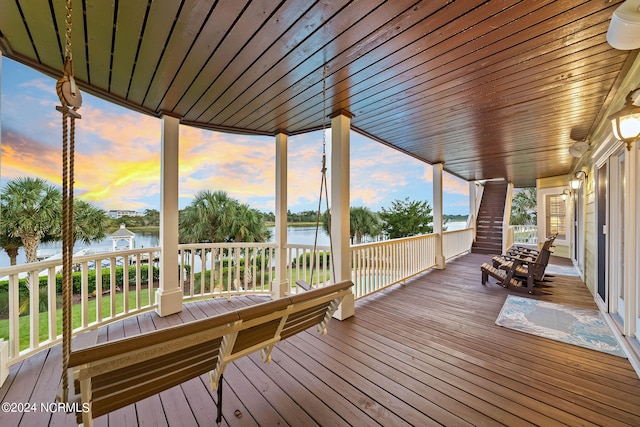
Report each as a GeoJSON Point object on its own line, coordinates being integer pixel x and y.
{"type": "Point", "coordinates": [323, 192]}
{"type": "Point", "coordinates": [71, 100]}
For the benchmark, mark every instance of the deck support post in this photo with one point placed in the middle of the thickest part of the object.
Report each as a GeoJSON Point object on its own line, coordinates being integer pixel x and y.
{"type": "Point", "coordinates": [437, 213]}
{"type": "Point", "coordinates": [340, 207]}
{"type": "Point", "coordinates": [280, 284]}
{"type": "Point", "coordinates": [630, 254]}
{"type": "Point", "coordinates": [169, 296]}
{"type": "Point", "coordinates": [471, 222]}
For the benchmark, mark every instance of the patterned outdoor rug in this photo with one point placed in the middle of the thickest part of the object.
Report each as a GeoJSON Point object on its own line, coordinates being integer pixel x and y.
{"type": "Point", "coordinates": [573, 325]}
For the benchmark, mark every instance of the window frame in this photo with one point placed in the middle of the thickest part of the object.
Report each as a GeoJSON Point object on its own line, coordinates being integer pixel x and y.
{"type": "Point", "coordinates": [543, 195]}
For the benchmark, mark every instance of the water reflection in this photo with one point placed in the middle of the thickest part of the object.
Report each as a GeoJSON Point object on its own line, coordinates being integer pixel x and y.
{"type": "Point", "coordinates": [301, 235]}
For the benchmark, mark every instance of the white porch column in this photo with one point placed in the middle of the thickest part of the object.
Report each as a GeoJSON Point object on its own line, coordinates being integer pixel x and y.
{"type": "Point", "coordinates": [631, 246]}
{"type": "Point", "coordinates": [280, 284]}
{"type": "Point", "coordinates": [340, 192]}
{"type": "Point", "coordinates": [472, 220]}
{"type": "Point", "coordinates": [437, 213]}
{"type": "Point", "coordinates": [169, 295]}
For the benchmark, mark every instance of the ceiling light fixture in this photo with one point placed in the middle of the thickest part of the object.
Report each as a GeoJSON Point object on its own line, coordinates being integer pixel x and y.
{"type": "Point", "coordinates": [624, 28]}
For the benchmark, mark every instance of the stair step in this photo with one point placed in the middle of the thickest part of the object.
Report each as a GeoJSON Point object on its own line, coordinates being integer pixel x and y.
{"type": "Point", "coordinates": [484, 251]}
{"type": "Point", "coordinates": [497, 245]}
{"type": "Point", "coordinates": [490, 219]}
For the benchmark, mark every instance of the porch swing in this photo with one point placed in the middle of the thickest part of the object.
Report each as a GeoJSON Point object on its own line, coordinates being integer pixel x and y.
{"type": "Point", "coordinates": [323, 190]}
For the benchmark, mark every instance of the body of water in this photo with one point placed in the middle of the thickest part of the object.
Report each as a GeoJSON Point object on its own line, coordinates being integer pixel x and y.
{"type": "Point", "coordinates": [295, 235]}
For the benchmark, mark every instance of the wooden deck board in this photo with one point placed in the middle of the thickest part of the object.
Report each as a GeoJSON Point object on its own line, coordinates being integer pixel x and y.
{"type": "Point", "coordinates": [425, 353]}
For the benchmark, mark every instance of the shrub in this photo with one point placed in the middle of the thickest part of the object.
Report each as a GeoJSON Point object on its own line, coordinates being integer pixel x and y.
{"type": "Point", "coordinates": [23, 290]}
{"type": "Point", "coordinates": [305, 259]}
{"type": "Point", "coordinates": [225, 279]}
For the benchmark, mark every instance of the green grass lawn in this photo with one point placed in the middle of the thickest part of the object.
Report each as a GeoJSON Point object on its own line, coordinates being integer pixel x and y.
{"type": "Point", "coordinates": [76, 316]}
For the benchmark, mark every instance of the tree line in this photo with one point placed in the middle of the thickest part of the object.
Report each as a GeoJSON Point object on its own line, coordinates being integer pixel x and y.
{"type": "Point", "coordinates": [31, 213]}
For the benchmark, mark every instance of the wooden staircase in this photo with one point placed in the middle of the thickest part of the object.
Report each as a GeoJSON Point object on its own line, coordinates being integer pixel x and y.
{"type": "Point", "coordinates": [489, 221]}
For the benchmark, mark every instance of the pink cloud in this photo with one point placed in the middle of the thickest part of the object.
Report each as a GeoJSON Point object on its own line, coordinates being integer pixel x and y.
{"type": "Point", "coordinates": [22, 156]}
{"type": "Point", "coordinates": [454, 185]}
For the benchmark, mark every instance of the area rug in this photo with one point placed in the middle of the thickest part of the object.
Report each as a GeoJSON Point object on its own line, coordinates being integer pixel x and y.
{"type": "Point", "coordinates": [573, 325]}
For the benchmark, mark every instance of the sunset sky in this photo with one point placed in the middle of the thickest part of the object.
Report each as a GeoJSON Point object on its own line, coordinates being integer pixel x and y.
{"type": "Point", "coordinates": [118, 157]}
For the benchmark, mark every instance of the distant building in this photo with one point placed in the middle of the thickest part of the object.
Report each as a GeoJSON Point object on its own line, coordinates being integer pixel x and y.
{"type": "Point", "coordinates": [117, 213]}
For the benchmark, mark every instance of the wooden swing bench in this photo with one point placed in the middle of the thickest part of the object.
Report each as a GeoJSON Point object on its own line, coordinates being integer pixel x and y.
{"type": "Point", "coordinates": [115, 374]}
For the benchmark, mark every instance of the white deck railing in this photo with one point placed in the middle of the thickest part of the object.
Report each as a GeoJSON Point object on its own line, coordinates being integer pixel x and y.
{"type": "Point", "coordinates": [103, 294]}
{"type": "Point", "coordinates": [226, 269]}
{"type": "Point", "coordinates": [456, 242]}
{"type": "Point", "coordinates": [525, 233]}
{"type": "Point", "coordinates": [302, 262]}
{"type": "Point", "coordinates": [382, 264]}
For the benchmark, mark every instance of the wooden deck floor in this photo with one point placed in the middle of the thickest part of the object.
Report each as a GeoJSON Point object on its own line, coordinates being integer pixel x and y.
{"type": "Point", "coordinates": [427, 353]}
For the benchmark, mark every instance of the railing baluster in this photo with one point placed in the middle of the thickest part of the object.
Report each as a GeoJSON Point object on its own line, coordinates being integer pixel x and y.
{"type": "Point", "coordinates": [99, 314]}
{"type": "Point", "coordinates": [125, 284]}
{"type": "Point", "coordinates": [14, 315]}
{"type": "Point", "coordinates": [34, 309]}
{"type": "Point", "coordinates": [203, 276]}
{"type": "Point", "coordinates": [52, 303]}
{"type": "Point", "coordinates": [138, 261]}
{"type": "Point", "coordinates": [84, 293]}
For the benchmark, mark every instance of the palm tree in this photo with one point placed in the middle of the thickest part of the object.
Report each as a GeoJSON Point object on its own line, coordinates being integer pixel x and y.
{"type": "Point", "coordinates": [89, 222]}
{"type": "Point", "coordinates": [207, 219]}
{"type": "Point", "coordinates": [247, 225]}
{"type": "Point", "coordinates": [10, 246]}
{"type": "Point", "coordinates": [213, 216]}
{"type": "Point", "coordinates": [524, 207]}
{"type": "Point", "coordinates": [31, 210]}
{"type": "Point", "coordinates": [363, 222]}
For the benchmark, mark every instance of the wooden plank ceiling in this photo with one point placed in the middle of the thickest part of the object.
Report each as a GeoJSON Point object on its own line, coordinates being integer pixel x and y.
{"type": "Point", "coordinates": [494, 89]}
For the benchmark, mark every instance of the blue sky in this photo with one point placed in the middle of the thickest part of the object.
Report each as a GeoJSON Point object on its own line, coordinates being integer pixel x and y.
{"type": "Point", "coordinates": [118, 157]}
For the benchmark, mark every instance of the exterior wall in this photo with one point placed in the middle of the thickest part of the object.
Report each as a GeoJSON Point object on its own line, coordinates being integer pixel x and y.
{"type": "Point", "coordinates": [603, 146]}
{"type": "Point", "coordinates": [601, 135]}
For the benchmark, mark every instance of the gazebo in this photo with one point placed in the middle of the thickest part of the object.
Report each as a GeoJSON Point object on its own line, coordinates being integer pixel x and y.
{"type": "Point", "coordinates": [122, 234]}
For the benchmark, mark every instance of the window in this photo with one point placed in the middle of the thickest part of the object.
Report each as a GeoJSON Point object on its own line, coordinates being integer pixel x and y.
{"type": "Point", "coordinates": [556, 216]}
